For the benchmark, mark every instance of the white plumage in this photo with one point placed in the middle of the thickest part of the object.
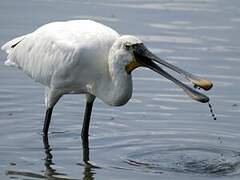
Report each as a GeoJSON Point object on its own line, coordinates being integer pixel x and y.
{"type": "Point", "coordinates": [74, 57]}
{"type": "Point", "coordinates": [86, 57]}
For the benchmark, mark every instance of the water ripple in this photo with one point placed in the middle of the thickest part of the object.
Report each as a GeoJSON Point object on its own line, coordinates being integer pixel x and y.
{"type": "Point", "coordinates": [169, 39]}
{"type": "Point", "coordinates": [193, 160]}
{"type": "Point", "coordinates": [168, 6]}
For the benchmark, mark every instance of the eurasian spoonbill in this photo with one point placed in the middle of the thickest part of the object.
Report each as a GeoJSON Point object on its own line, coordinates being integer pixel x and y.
{"type": "Point", "coordinates": [86, 57]}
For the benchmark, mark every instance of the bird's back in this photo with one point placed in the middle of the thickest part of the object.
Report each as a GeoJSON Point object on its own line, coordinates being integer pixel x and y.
{"type": "Point", "coordinates": [58, 48]}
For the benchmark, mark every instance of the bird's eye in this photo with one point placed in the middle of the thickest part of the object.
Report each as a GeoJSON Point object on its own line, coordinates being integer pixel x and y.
{"type": "Point", "coordinates": [127, 46]}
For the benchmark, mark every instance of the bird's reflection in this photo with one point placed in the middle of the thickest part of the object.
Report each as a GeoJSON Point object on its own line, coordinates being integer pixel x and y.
{"type": "Point", "coordinates": [88, 173]}
{"type": "Point", "coordinates": [50, 172]}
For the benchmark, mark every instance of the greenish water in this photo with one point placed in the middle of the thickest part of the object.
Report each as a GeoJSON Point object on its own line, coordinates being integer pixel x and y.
{"type": "Point", "coordinates": [160, 133]}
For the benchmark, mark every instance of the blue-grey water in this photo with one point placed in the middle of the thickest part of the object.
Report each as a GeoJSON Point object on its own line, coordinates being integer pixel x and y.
{"type": "Point", "coordinates": [161, 133]}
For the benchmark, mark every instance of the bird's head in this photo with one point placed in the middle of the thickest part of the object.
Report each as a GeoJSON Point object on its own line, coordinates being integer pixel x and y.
{"type": "Point", "coordinates": [137, 55]}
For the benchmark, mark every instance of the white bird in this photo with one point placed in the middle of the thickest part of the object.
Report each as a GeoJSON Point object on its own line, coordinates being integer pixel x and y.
{"type": "Point", "coordinates": [86, 57]}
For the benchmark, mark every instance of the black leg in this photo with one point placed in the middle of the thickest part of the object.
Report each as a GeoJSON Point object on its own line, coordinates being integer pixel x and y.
{"type": "Point", "coordinates": [86, 121]}
{"type": "Point", "coordinates": [47, 120]}
{"type": "Point", "coordinates": [85, 130]}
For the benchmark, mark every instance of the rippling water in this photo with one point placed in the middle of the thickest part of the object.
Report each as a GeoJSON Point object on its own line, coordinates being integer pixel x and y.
{"type": "Point", "coordinates": [160, 133]}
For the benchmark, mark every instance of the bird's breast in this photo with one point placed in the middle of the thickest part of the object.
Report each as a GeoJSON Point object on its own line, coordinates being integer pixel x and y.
{"type": "Point", "coordinates": [121, 99]}
{"type": "Point", "coordinates": [114, 93]}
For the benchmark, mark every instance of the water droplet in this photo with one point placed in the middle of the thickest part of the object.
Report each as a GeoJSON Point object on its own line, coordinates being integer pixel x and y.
{"type": "Point", "coordinates": [211, 111]}
{"type": "Point", "coordinates": [220, 140]}
{"type": "Point", "coordinates": [12, 164]}
{"type": "Point", "coordinates": [178, 164]}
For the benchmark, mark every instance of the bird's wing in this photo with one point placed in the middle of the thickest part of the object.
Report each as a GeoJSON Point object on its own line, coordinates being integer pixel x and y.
{"type": "Point", "coordinates": [54, 46]}
{"type": "Point", "coordinates": [11, 44]}
{"type": "Point", "coordinates": [7, 47]}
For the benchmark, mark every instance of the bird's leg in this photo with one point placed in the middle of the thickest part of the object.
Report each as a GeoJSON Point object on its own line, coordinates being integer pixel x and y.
{"type": "Point", "coordinates": [51, 98]}
{"type": "Point", "coordinates": [86, 121]}
{"type": "Point", "coordinates": [85, 128]}
{"type": "Point", "coordinates": [47, 121]}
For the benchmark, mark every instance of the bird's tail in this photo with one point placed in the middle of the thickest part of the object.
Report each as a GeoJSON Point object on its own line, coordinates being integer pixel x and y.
{"type": "Point", "coordinates": [8, 48]}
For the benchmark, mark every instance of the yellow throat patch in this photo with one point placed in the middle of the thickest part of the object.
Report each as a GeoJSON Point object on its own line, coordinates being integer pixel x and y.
{"type": "Point", "coordinates": [132, 65]}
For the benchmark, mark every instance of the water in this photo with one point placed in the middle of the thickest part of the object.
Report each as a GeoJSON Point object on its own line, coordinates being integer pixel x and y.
{"type": "Point", "coordinates": [161, 133]}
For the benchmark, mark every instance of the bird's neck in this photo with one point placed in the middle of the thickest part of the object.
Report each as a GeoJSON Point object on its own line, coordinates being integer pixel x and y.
{"type": "Point", "coordinates": [120, 88]}
{"type": "Point", "coordinates": [116, 90]}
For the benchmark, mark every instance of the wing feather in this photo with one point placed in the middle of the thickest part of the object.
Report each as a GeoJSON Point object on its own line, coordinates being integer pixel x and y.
{"type": "Point", "coordinates": [54, 47]}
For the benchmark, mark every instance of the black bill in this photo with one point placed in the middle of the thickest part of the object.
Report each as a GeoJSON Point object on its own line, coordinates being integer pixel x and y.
{"type": "Point", "coordinates": [148, 59]}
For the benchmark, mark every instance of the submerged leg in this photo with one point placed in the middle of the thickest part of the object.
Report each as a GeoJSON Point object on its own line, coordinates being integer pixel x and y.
{"type": "Point", "coordinates": [85, 127]}
{"type": "Point", "coordinates": [47, 120]}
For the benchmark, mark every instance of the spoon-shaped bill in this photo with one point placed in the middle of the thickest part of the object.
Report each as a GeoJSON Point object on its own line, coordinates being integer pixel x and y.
{"type": "Point", "coordinates": [197, 81]}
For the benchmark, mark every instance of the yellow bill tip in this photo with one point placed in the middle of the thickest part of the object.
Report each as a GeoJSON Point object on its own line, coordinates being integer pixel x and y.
{"type": "Point", "coordinates": [203, 83]}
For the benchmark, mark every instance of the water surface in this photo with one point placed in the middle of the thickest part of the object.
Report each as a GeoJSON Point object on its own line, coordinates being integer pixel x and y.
{"type": "Point", "coordinates": [160, 133]}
